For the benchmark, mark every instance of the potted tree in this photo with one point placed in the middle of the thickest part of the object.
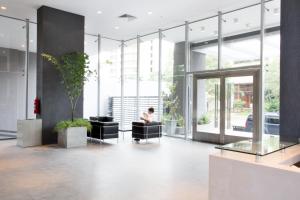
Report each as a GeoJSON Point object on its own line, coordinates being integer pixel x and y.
{"type": "Point", "coordinates": [171, 115]}
{"type": "Point", "coordinates": [74, 71]}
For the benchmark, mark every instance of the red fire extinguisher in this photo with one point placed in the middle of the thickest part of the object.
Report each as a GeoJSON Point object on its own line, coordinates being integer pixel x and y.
{"type": "Point", "coordinates": [37, 109]}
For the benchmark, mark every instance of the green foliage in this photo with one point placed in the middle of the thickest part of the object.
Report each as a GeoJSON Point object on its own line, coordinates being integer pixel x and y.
{"type": "Point", "coordinates": [171, 103]}
{"type": "Point", "coordinates": [272, 74]}
{"type": "Point", "coordinates": [109, 62]}
{"type": "Point", "coordinates": [238, 105]}
{"type": "Point", "coordinates": [75, 123]}
{"type": "Point", "coordinates": [74, 71]}
{"type": "Point", "coordinates": [180, 121]}
{"type": "Point", "coordinates": [204, 119]}
{"type": "Point", "coordinates": [272, 105]}
{"type": "Point", "coordinates": [271, 101]}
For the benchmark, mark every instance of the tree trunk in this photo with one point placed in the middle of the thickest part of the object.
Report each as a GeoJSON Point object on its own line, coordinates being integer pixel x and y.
{"type": "Point", "coordinates": [73, 111]}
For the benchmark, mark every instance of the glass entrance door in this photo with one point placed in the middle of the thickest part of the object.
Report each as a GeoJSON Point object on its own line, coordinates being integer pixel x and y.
{"type": "Point", "coordinates": [208, 104]}
{"type": "Point", "coordinates": [224, 108]}
{"type": "Point", "coordinates": [239, 106]}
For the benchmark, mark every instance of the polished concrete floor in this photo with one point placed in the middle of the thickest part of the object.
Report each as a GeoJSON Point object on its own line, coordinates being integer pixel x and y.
{"type": "Point", "coordinates": [170, 170]}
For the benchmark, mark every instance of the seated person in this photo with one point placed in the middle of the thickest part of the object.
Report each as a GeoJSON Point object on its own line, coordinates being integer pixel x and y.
{"type": "Point", "coordinates": [148, 117]}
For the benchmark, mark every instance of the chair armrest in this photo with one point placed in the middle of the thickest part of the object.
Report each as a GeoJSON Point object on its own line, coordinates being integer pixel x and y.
{"type": "Point", "coordinates": [109, 124]}
{"type": "Point", "coordinates": [146, 124]}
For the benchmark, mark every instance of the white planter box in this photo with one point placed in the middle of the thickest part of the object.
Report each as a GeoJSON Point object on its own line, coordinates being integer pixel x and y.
{"type": "Point", "coordinates": [29, 133]}
{"type": "Point", "coordinates": [73, 137]}
{"type": "Point", "coordinates": [170, 127]}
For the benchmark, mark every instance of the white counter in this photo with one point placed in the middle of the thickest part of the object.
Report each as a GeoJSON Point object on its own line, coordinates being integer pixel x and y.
{"type": "Point", "coordinates": [239, 176]}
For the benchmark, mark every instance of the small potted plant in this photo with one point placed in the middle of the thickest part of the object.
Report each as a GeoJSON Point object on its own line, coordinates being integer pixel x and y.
{"type": "Point", "coordinates": [74, 71]}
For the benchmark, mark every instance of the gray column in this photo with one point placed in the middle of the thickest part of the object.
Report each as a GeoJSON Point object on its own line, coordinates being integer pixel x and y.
{"type": "Point", "coordinates": [186, 92]}
{"type": "Point", "coordinates": [138, 41]}
{"type": "Point", "coordinates": [290, 71]}
{"type": "Point", "coordinates": [122, 84]}
{"type": "Point", "coordinates": [260, 120]}
{"type": "Point", "coordinates": [160, 37]}
{"type": "Point", "coordinates": [26, 69]}
{"type": "Point", "coordinates": [99, 75]}
{"type": "Point", "coordinates": [59, 32]}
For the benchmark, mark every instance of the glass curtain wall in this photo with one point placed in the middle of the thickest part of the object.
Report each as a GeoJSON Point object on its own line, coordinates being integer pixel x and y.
{"type": "Point", "coordinates": [110, 79]}
{"type": "Point", "coordinates": [12, 73]}
{"type": "Point", "coordinates": [148, 76]}
{"type": "Point", "coordinates": [240, 48]}
{"type": "Point", "coordinates": [13, 53]}
{"type": "Point", "coordinates": [172, 84]}
{"type": "Point", "coordinates": [272, 67]}
{"type": "Point", "coordinates": [130, 83]}
{"type": "Point", "coordinates": [91, 86]}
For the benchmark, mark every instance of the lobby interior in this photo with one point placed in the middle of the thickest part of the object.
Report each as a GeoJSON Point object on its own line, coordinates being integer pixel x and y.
{"type": "Point", "coordinates": [221, 76]}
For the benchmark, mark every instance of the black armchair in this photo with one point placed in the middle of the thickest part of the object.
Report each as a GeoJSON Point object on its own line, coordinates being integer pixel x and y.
{"type": "Point", "coordinates": [141, 130]}
{"type": "Point", "coordinates": [104, 128]}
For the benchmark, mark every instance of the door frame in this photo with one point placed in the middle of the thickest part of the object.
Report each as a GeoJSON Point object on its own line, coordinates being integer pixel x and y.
{"type": "Point", "coordinates": [222, 138]}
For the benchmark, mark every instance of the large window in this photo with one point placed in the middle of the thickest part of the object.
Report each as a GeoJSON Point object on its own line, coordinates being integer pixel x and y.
{"type": "Point", "coordinates": [173, 64]}
{"type": "Point", "coordinates": [91, 86]}
{"type": "Point", "coordinates": [148, 79]}
{"type": "Point", "coordinates": [203, 37]}
{"type": "Point", "coordinates": [110, 76]}
{"type": "Point", "coordinates": [241, 38]}
{"type": "Point", "coordinates": [12, 76]}
{"type": "Point", "coordinates": [130, 83]}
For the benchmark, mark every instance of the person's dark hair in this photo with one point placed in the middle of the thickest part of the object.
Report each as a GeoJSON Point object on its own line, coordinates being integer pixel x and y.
{"type": "Point", "coordinates": [151, 110]}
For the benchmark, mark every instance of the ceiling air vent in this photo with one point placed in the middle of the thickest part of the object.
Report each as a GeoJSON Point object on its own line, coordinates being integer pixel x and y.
{"type": "Point", "coordinates": [127, 17]}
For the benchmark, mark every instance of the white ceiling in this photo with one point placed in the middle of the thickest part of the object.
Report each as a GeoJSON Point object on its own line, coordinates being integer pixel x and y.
{"type": "Point", "coordinates": [165, 13]}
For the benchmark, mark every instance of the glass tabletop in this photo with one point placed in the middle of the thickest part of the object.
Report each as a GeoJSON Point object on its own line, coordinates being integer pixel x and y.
{"type": "Point", "coordinates": [270, 144]}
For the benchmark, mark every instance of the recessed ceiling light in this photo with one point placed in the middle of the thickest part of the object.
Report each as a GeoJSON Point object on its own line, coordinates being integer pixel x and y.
{"type": "Point", "coordinates": [3, 7]}
{"type": "Point", "coordinates": [235, 20]}
{"type": "Point", "coordinates": [23, 45]}
{"type": "Point", "coordinates": [99, 12]}
{"type": "Point", "coordinates": [149, 12]}
{"type": "Point", "coordinates": [116, 27]}
{"type": "Point", "coordinates": [31, 41]}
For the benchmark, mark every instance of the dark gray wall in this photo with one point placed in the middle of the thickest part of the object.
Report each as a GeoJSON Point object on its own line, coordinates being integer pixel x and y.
{"type": "Point", "coordinates": [290, 71]}
{"type": "Point", "coordinates": [198, 61]}
{"type": "Point", "coordinates": [59, 32]}
{"type": "Point", "coordinates": [178, 73]}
